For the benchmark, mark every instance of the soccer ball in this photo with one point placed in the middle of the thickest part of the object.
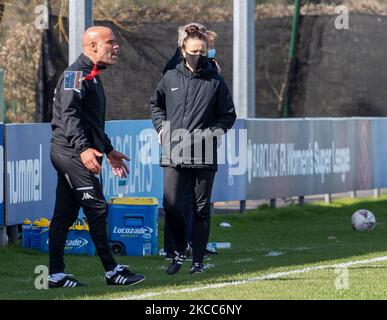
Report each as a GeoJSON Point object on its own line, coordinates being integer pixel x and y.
{"type": "Point", "coordinates": [363, 220]}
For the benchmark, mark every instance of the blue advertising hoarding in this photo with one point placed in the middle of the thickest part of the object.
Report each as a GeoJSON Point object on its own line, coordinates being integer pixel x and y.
{"type": "Point", "coordinates": [230, 180]}
{"type": "Point", "coordinates": [354, 148]}
{"type": "Point", "coordinates": [251, 167]}
{"type": "Point", "coordinates": [298, 157]}
{"type": "Point", "coordinates": [138, 140]}
{"type": "Point", "coordinates": [30, 178]}
{"type": "Point", "coordinates": [379, 151]}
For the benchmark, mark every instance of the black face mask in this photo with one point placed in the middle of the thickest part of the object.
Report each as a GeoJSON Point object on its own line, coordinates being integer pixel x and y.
{"type": "Point", "coordinates": [196, 62]}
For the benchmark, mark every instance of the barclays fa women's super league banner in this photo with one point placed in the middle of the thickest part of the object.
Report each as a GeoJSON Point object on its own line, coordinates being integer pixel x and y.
{"type": "Point", "coordinates": [300, 157]}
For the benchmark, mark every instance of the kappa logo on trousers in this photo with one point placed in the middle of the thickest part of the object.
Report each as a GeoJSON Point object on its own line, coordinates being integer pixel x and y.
{"type": "Point", "coordinates": [86, 196]}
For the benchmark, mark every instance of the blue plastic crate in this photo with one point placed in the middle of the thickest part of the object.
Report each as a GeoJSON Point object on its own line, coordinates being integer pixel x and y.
{"type": "Point", "coordinates": [133, 227]}
{"type": "Point", "coordinates": [35, 237]}
{"type": "Point", "coordinates": [78, 240]}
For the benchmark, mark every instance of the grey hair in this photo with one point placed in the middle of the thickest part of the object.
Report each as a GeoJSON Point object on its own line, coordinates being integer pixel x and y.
{"type": "Point", "coordinates": [182, 34]}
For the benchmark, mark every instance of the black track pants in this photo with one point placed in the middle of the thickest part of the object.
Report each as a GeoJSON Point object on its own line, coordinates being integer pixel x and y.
{"type": "Point", "coordinates": [186, 207]}
{"type": "Point", "coordinates": [77, 187]}
{"type": "Point", "coordinates": [175, 184]}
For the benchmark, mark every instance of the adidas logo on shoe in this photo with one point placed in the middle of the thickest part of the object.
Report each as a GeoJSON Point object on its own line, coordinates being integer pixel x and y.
{"type": "Point", "coordinates": [121, 275]}
{"type": "Point", "coordinates": [66, 282]}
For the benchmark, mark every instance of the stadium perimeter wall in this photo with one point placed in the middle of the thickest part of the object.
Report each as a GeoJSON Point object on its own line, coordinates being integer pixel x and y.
{"type": "Point", "coordinates": [264, 159]}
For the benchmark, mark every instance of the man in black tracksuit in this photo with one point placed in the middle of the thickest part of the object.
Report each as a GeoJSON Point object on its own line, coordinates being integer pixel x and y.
{"type": "Point", "coordinates": [77, 146]}
{"type": "Point", "coordinates": [191, 99]}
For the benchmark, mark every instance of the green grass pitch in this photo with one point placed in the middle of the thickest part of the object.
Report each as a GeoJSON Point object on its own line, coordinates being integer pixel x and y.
{"type": "Point", "coordinates": [264, 242]}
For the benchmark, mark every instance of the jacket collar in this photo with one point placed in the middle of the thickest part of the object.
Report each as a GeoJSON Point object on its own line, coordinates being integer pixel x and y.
{"type": "Point", "coordinates": [202, 73]}
{"type": "Point", "coordinates": [88, 63]}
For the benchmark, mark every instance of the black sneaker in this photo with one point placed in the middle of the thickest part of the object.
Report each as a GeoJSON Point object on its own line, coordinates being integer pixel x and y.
{"type": "Point", "coordinates": [197, 268]}
{"type": "Point", "coordinates": [123, 276]}
{"type": "Point", "coordinates": [67, 282]}
{"type": "Point", "coordinates": [188, 253]}
{"type": "Point", "coordinates": [176, 263]}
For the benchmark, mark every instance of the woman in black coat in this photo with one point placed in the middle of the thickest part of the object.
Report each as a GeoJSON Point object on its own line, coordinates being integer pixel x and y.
{"type": "Point", "coordinates": [190, 108]}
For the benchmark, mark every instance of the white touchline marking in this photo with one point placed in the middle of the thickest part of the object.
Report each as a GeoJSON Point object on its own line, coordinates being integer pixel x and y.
{"type": "Point", "coordinates": [259, 278]}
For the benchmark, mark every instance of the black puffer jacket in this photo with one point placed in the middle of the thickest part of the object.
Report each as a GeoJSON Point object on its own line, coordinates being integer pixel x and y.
{"type": "Point", "coordinates": [191, 101]}
{"type": "Point", "coordinates": [78, 119]}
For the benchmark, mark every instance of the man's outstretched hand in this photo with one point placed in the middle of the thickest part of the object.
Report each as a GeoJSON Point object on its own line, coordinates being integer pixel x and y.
{"type": "Point", "coordinates": [116, 161]}
{"type": "Point", "coordinates": [89, 160]}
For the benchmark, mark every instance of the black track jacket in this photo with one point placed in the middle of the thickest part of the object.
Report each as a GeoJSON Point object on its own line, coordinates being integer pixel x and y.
{"type": "Point", "coordinates": [78, 119]}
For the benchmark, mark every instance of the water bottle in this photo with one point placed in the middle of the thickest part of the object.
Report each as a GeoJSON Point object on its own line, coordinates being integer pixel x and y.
{"type": "Point", "coordinates": [230, 180]}
{"type": "Point", "coordinates": [123, 187]}
{"type": "Point", "coordinates": [26, 233]}
{"type": "Point", "coordinates": [43, 234]}
{"type": "Point", "coordinates": [3, 236]}
{"type": "Point", "coordinates": [147, 244]}
{"type": "Point", "coordinates": [223, 245]}
{"type": "Point", "coordinates": [211, 246]}
{"type": "Point", "coordinates": [35, 235]}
